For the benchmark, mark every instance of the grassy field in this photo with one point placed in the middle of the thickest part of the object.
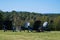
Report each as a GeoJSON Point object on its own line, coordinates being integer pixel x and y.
{"type": "Point", "coordinates": [53, 35]}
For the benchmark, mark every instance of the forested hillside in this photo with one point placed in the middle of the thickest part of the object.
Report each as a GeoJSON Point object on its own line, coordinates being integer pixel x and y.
{"type": "Point", "coordinates": [19, 18]}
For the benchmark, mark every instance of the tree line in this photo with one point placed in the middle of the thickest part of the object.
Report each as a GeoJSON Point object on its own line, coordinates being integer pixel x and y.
{"type": "Point", "coordinates": [19, 18]}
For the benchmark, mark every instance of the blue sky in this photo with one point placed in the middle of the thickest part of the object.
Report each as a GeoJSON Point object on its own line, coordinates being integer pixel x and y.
{"type": "Point", "coordinates": [39, 6]}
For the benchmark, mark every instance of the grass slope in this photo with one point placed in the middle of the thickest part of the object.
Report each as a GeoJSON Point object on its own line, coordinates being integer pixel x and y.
{"type": "Point", "coordinates": [53, 35]}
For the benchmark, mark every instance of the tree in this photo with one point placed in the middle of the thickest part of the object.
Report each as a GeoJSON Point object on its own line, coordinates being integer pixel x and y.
{"type": "Point", "coordinates": [1, 19]}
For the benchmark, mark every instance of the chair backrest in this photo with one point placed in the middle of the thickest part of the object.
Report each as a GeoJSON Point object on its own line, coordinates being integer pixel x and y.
{"type": "Point", "coordinates": [45, 24]}
{"type": "Point", "coordinates": [36, 25]}
{"type": "Point", "coordinates": [26, 24]}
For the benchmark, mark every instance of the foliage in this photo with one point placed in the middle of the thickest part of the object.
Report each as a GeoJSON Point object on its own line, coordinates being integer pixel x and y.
{"type": "Point", "coordinates": [19, 18]}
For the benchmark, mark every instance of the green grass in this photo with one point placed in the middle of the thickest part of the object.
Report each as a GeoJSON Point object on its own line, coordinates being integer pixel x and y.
{"type": "Point", "coordinates": [9, 35]}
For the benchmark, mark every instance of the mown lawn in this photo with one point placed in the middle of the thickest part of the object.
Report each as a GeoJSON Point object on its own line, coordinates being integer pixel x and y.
{"type": "Point", "coordinates": [9, 35]}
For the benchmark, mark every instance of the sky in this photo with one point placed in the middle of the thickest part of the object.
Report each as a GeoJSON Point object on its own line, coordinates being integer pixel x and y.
{"type": "Point", "coordinates": [39, 6]}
